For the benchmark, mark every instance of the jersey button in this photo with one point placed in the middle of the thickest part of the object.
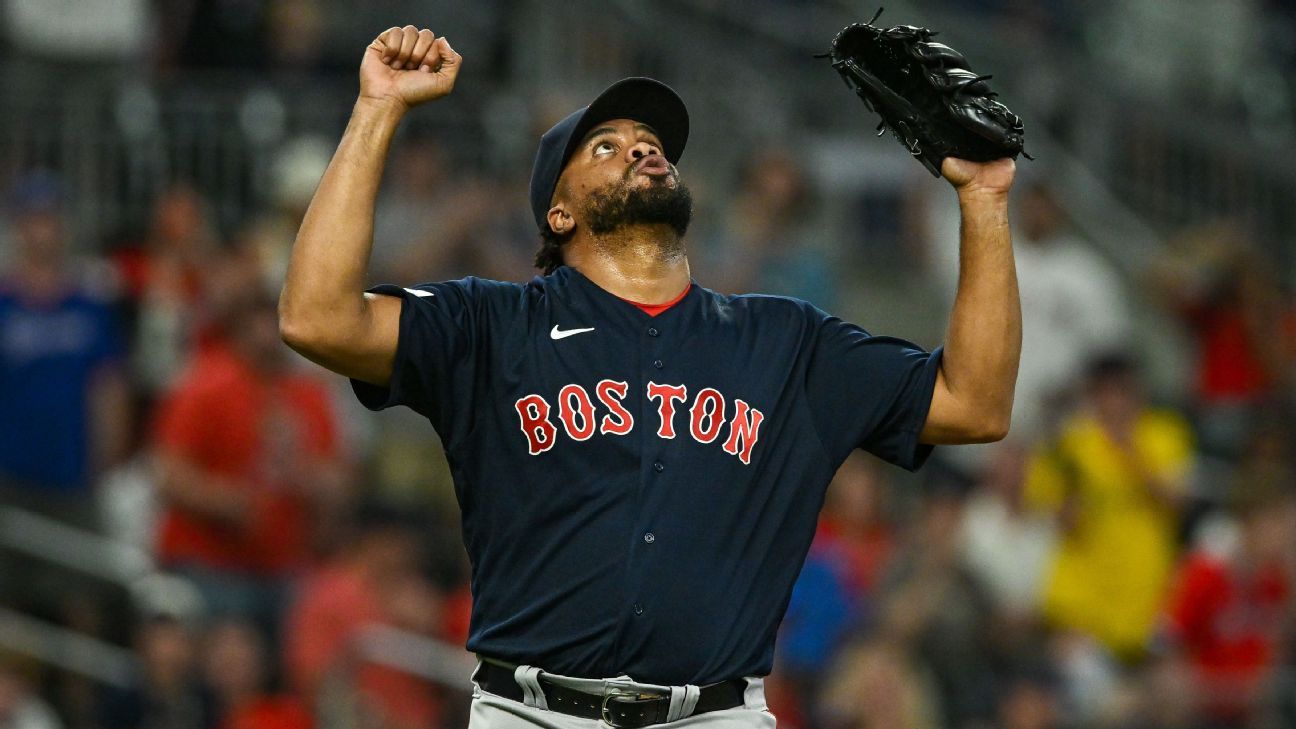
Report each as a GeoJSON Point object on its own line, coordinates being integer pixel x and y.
{"type": "Point", "coordinates": [638, 609]}
{"type": "Point", "coordinates": [652, 331]}
{"type": "Point", "coordinates": [650, 537]}
{"type": "Point", "coordinates": [659, 467]}
{"type": "Point", "coordinates": [657, 363]}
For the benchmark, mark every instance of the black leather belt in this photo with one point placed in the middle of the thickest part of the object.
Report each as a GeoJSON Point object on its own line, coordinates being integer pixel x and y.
{"type": "Point", "coordinates": [616, 707]}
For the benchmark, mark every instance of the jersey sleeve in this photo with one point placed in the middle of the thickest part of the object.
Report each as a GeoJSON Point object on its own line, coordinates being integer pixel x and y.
{"type": "Point", "coordinates": [870, 392]}
{"type": "Point", "coordinates": [437, 351]}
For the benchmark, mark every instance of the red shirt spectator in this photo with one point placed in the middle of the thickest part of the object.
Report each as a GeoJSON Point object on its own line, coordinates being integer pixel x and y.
{"type": "Point", "coordinates": [237, 669]}
{"type": "Point", "coordinates": [854, 524]}
{"type": "Point", "coordinates": [278, 712]}
{"type": "Point", "coordinates": [1244, 325]}
{"type": "Point", "coordinates": [246, 442]}
{"type": "Point", "coordinates": [1233, 365]}
{"type": "Point", "coordinates": [1227, 618]}
{"type": "Point", "coordinates": [374, 584]}
{"type": "Point", "coordinates": [866, 550]}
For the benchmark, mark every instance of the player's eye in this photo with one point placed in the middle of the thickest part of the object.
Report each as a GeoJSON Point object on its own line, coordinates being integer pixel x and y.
{"type": "Point", "coordinates": [604, 146]}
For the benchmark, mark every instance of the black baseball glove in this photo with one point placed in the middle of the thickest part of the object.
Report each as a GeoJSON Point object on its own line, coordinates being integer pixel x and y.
{"type": "Point", "coordinates": [925, 94]}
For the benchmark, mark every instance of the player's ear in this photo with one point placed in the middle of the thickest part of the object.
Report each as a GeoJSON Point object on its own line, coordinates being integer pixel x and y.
{"type": "Point", "coordinates": [560, 221]}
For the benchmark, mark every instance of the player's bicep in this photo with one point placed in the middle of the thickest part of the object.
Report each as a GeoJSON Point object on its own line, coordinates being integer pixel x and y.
{"type": "Point", "coordinates": [941, 425]}
{"type": "Point", "coordinates": [368, 353]}
{"type": "Point", "coordinates": [951, 422]}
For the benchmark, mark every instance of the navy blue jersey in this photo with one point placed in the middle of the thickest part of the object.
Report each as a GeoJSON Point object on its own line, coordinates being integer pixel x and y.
{"type": "Point", "coordinates": [639, 492]}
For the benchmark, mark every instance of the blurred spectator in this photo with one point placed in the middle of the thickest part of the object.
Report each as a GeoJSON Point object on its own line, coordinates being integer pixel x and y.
{"type": "Point", "coordinates": [20, 706]}
{"type": "Point", "coordinates": [169, 694]}
{"type": "Point", "coordinates": [64, 409]}
{"type": "Point", "coordinates": [1007, 548]}
{"type": "Point", "coordinates": [1164, 696]}
{"type": "Point", "coordinates": [129, 503]}
{"type": "Point", "coordinates": [817, 620]}
{"type": "Point", "coordinates": [1115, 479]}
{"type": "Point", "coordinates": [1268, 460]}
{"type": "Point", "coordinates": [856, 522]}
{"type": "Point", "coordinates": [1073, 307]}
{"type": "Point", "coordinates": [1231, 608]}
{"type": "Point", "coordinates": [296, 171]}
{"type": "Point", "coordinates": [1006, 544]}
{"type": "Point", "coordinates": [297, 27]}
{"type": "Point", "coordinates": [166, 282]}
{"type": "Point", "coordinates": [879, 685]}
{"type": "Point", "coordinates": [1245, 329]}
{"type": "Point", "coordinates": [415, 225]}
{"type": "Point", "coordinates": [769, 243]}
{"type": "Point", "coordinates": [237, 671]}
{"type": "Point", "coordinates": [214, 34]}
{"type": "Point", "coordinates": [835, 594]}
{"type": "Point", "coordinates": [434, 223]}
{"type": "Point", "coordinates": [934, 604]}
{"type": "Point", "coordinates": [1093, 693]}
{"type": "Point", "coordinates": [1030, 700]}
{"type": "Point", "coordinates": [248, 464]}
{"type": "Point", "coordinates": [374, 581]}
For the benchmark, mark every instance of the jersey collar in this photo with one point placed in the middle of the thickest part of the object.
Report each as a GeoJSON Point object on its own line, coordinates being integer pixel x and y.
{"type": "Point", "coordinates": [566, 276]}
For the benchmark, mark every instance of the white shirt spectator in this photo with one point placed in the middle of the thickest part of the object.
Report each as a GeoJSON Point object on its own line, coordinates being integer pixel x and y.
{"type": "Point", "coordinates": [1073, 309]}
{"type": "Point", "coordinates": [1007, 551]}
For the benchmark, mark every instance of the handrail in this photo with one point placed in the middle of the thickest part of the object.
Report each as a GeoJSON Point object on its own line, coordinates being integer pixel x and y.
{"type": "Point", "coordinates": [52, 540]}
{"type": "Point", "coordinates": [419, 655]}
{"type": "Point", "coordinates": [67, 649]}
{"type": "Point", "coordinates": [1095, 210]}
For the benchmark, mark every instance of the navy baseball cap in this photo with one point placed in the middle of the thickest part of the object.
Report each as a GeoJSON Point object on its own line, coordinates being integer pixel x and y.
{"type": "Point", "coordinates": [644, 100]}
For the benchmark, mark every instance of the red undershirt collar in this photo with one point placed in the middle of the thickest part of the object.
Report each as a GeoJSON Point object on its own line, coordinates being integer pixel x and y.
{"type": "Point", "coordinates": [655, 309]}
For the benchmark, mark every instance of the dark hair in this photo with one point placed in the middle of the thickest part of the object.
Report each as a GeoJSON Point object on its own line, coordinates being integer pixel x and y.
{"type": "Point", "coordinates": [549, 257]}
{"type": "Point", "coordinates": [1111, 365]}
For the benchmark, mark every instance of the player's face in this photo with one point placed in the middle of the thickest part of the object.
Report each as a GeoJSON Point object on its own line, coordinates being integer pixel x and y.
{"type": "Point", "coordinates": [619, 150]}
{"type": "Point", "coordinates": [618, 176]}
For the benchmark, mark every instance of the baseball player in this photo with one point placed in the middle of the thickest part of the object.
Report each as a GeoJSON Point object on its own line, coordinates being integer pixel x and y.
{"type": "Point", "coordinates": [640, 461]}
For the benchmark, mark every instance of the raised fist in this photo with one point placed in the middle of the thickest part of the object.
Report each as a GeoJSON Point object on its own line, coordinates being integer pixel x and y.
{"type": "Point", "coordinates": [408, 66]}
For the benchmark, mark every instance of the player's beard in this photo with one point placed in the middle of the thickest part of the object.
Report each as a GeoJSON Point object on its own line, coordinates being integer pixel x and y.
{"type": "Point", "coordinates": [622, 204]}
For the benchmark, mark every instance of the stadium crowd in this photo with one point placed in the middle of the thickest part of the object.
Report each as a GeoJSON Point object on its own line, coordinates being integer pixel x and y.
{"type": "Point", "coordinates": [1127, 557]}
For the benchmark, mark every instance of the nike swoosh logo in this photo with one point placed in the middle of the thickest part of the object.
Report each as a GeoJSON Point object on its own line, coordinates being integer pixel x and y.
{"type": "Point", "coordinates": [557, 333]}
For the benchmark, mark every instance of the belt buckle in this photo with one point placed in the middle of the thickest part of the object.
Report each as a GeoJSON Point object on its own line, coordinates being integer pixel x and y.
{"type": "Point", "coordinates": [621, 693]}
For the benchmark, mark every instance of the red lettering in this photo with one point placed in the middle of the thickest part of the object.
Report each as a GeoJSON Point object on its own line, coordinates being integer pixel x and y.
{"type": "Point", "coordinates": [611, 393]}
{"type": "Point", "coordinates": [533, 411]}
{"type": "Point", "coordinates": [745, 426]}
{"type": "Point", "coordinates": [713, 415]}
{"type": "Point", "coordinates": [567, 412]}
{"type": "Point", "coordinates": [666, 395]}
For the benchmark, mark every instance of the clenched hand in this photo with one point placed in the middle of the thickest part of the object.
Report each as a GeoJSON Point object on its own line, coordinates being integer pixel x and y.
{"type": "Point", "coordinates": [407, 67]}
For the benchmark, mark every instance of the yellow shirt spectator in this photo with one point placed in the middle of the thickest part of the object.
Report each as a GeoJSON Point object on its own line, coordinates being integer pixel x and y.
{"type": "Point", "coordinates": [1116, 500]}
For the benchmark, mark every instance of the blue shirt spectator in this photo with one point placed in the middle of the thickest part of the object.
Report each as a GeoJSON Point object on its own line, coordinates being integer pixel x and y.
{"type": "Point", "coordinates": [58, 342]}
{"type": "Point", "coordinates": [50, 353]}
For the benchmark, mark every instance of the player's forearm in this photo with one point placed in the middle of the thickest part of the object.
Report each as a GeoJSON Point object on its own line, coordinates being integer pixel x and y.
{"type": "Point", "coordinates": [323, 292]}
{"type": "Point", "coordinates": [984, 341]}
